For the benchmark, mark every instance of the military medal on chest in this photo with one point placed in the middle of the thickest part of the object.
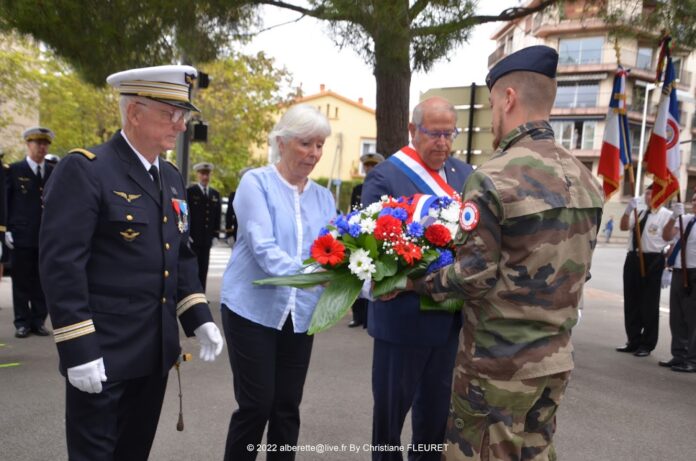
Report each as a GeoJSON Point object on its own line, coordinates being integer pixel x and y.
{"type": "Point", "coordinates": [181, 210]}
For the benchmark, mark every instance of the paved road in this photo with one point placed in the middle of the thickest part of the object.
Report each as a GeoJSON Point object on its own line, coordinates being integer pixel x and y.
{"type": "Point", "coordinates": [617, 407]}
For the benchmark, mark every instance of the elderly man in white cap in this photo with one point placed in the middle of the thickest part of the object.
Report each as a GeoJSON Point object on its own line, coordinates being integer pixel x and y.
{"type": "Point", "coordinates": [24, 188]}
{"type": "Point", "coordinates": [206, 207]}
{"type": "Point", "coordinates": [122, 271]}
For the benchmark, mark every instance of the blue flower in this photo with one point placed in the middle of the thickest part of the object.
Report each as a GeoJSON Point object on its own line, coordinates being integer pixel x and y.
{"type": "Point", "coordinates": [446, 258]}
{"type": "Point", "coordinates": [324, 231]}
{"type": "Point", "coordinates": [441, 202]}
{"type": "Point", "coordinates": [354, 230]}
{"type": "Point", "coordinates": [400, 214]}
{"type": "Point", "coordinates": [414, 229]}
{"type": "Point", "coordinates": [342, 224]}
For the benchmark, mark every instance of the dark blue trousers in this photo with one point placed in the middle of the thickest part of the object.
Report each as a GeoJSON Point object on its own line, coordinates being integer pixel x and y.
{"type": "Point", "coordinates": [416, 378]}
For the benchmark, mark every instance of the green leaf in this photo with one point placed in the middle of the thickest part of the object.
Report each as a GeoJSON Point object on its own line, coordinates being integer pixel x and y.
{"type": "Point", "coordinates": [370, 244]}
{"type": "Point", "coordinates": [389, 284]}
{"type": "Point", "coordinates": [299, 280]}
{"type": "Point", "coordinates": [448, 305]}
{"type": "Point", "coordinates": [334, 302]}
{"type": "Point", "coordinates": [391, 265]}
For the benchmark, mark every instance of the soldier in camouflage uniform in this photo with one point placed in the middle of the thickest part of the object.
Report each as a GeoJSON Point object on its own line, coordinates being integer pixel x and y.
{"type": "Point", "coordinates": [529, 225]}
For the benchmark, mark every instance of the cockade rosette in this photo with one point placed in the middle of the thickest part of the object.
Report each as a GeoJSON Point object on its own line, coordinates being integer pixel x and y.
{"type": "Point", "coordinates": [380, 245]}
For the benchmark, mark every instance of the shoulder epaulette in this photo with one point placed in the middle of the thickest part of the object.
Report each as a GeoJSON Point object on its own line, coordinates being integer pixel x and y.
{"type": "Point", "coordinates": [172, 164]}
{"type": "Point", "coordinates": [84, 152]}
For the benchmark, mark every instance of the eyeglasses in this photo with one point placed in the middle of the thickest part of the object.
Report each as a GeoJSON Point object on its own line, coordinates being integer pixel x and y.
{"type": "Point", "coordinates": [175, 115]}
{"type": "Point", "coordinates": [435, 135]}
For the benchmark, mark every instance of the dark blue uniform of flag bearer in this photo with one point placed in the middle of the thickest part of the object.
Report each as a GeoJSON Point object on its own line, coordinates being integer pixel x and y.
{"type": "Point", "coordinates": [117, 279]}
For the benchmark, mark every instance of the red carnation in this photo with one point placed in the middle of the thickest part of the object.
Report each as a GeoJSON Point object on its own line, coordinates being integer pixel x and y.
{"type": "Point", "coordinates": [328, 250]}
{"type": "Point", "coordinates": [438, 235]}
{"type": "Point", "coordinates": [408, 251]}
{"type": "Point", "coordinates": [388, 228]}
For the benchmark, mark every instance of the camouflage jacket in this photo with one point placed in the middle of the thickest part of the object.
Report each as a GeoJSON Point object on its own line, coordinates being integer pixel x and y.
{"type": "Point", "coordinates": [522, 266]}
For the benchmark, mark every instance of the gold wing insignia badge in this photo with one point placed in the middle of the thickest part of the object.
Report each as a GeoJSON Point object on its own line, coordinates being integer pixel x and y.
{"type": "Point", "coordinates": [128, 197]}
{"type": "Point", "coordinates": [129, 235]}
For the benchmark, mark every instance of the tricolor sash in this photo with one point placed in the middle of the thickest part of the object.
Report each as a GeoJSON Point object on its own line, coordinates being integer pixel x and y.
{"type": "Point", "coordinates": [428, 180]}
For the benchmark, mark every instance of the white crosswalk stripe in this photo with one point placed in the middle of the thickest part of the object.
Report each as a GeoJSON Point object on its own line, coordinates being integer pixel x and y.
{"type": "Point", "coordinates": [219, 256]}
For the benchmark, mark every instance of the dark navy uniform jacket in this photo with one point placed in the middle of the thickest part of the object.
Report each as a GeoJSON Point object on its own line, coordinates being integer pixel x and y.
{"type": "Point", "coordinates": [400, 320]}
{"type": "Point", "coordinates": [205, 215]}
{"type": "Point", "coordinates": [116, 266]}
{"type": "Point", "coordinates": [24, 190]}
{"type": "Point", "coordinates": [230, 218]}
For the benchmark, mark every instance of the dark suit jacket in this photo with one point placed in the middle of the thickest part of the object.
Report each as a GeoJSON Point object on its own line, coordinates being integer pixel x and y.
{"type": "Point", "coordinates": [205, 215]}
{"type": "Point", "coordinates": [24, 206]}
{"type": "Point", "coordinates": [356, 196]}
{"type": "Point", "coordinates": [231, 218]}
{"type": "Point", "coordinates": [121, 270]}
{"type": "Point", "coordinates": [400, 320]}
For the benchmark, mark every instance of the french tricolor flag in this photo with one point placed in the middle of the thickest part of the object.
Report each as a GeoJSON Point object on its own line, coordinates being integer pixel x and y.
{"type": "Point", "coordinates": [662, 156]}
{"type": "Point", "coordinates": [616, 148]}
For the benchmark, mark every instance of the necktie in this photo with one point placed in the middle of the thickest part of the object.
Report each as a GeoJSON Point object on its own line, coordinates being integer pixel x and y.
{"type": "Point", "coordinates": [205, 191]}
{"type": "Point", "coordinates": [678, 246]}
{"type": "Point", "coordinates": [38, 171]}
{"type": "Point", "coordinates": [155, 175]}
{"type": "Point", "coordinates": [641, 226]}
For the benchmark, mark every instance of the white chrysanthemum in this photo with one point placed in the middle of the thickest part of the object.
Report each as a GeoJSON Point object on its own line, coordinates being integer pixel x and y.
{"type": "Point", "coordinates": [373, 208]}
{"type": "Point", "coordinates": [451, 213]}
{"type": "Point", "coordinates": [361, 264]}
{"type": "Point", "coordinates": [355, 219]}
{"type": "Point", "coordinates": [367, 225]}
{"type": "Point", "coordinates": [433, 213]}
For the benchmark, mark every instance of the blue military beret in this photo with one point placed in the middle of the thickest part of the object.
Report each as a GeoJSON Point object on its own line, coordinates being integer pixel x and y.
{"type": "Point", "coordinates": [539, 58]}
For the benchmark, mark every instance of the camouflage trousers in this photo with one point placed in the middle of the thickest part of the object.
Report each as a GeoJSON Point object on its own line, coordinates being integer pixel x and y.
{"type": "Point", "coordinates": [503, 420]}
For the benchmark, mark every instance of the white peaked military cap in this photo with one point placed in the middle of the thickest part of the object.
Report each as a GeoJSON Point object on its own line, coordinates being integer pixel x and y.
{"type": "Point", "coordinates": [203, 166]}
{"type": "Point", "coordinates": [167, 84]}
{"type": "Point", "coordinates": [38, 133]}
{"type": "Point", "coordinates": [371, 157]}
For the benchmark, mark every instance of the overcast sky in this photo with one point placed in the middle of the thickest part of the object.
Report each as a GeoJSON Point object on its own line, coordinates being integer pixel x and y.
{"type": "Point", "coordinates": [306, 50]}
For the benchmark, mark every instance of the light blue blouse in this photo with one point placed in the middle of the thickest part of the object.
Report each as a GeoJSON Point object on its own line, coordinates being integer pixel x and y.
{"type": "Point", "coordinates": [277, 226]}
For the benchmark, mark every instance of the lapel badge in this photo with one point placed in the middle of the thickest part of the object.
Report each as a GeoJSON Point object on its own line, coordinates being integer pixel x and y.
{"type": "Point", "coordinates": [127, 197]}
{"type": "Point", "coordinates": [181, 210]}
{"type": "Point", "coordinates": [129, 235]}
{"type": "Point", "coordinates": [24, 179]}
{"type": "Point", "coordinates": [174, 192]}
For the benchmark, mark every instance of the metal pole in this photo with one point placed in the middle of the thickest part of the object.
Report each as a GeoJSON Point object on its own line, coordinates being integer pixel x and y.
{"type": "Point", "coordinates": [648, 88]}
{"type": "Point", "coordinates": [470, 137]}
{"type": "Point", "coordinates": [183, 142]}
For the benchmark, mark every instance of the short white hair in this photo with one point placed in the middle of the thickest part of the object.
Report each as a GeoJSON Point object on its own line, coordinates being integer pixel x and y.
{"type": "Point", "coordinates": [300, 121]}
{"type": "Point", "coordinates": [123, 102]}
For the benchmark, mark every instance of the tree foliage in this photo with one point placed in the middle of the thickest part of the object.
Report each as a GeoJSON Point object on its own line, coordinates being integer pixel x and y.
{"type": "Point", "coordinates": [19, 78]}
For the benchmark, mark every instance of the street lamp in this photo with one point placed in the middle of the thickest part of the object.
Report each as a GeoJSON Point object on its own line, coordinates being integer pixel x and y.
{"type": "Point", "coordinates": [648, 88]}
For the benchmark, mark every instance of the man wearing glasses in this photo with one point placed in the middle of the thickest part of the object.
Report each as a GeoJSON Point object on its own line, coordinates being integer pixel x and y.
{"type": "Point", "coordinates": [414, 351]}
{"type": "Point", "coordinates": [122, 271]}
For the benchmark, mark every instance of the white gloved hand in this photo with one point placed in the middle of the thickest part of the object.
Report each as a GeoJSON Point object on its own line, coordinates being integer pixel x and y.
{"type": "Point", "coordinates": [666, 279]}
{"type": "Point", "coordinates": [9, 241]}
{"type": "Point", "coordinates": [366, 290]}
{"type": "Point", "coordinates": [632, 205]}
{"type": "Point", "coordinates": [677, 210]}
{"type": "Point", "coordinates": [210, 339]}
{"type": "Point", "coordinates": [89, 376]}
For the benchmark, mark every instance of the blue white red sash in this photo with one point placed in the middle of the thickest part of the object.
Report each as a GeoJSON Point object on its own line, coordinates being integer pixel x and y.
{"type": "Point", "coordinates": [428, 180]}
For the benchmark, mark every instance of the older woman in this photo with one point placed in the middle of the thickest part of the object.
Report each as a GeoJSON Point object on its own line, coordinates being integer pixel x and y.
{"type": "Point", "coordinates": [280, 212]}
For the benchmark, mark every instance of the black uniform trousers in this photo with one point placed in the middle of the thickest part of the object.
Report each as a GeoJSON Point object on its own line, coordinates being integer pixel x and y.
{"type": "Point", "coordinates": [203, 256]}
{"type": "Point", "coordinates": [269, 368]}
{"type": "Point", "coordinates": [682, 316]}
{"type": "Point", "coordinates": [117, 424]}
{"type": "Point", "coordinates": [360, 311]}
{"type": "Point", "coordinates": [642, 299]}
{"type": "Point", "coordinates": [27, 294]}
{"type": "Point", "coordinates": [428, 401]}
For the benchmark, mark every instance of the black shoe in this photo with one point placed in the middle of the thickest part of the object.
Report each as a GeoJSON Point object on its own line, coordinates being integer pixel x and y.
{"type": "Point", "coordinates": [670, 363]}
{"type": "Point", "coordinates": [684, 368]}
{"type": "Point", "coordinates": [627, 348]}
{"type": "Point", "coordinates": [22, 332]}
{"type": "Point", "coordinates": [354, 324]}
{"type": "Point", "coordinates": [641, 352]}
{"type": "Point", "coordinates": [40, 331]}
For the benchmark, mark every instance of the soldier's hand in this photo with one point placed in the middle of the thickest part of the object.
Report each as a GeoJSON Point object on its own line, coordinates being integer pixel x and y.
{"type": "Point", "coordinates": [677, 210]}
{"type": "Point", "coordinates": [632, 205]}
{"type": "Point", "coordinates": [9, 241]}
{"type": "Point", "coordinates": [210, 339]}
{"type": "Point", "coordinates": [89, 376]}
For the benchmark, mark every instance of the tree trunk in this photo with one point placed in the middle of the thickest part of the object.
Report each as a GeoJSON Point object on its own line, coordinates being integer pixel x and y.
{"type": "Point", "coordinates": [392, 70]}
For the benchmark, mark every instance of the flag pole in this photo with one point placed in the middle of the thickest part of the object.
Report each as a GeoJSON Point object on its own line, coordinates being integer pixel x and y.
{"type": "Point", "coordinates": [632, 179]}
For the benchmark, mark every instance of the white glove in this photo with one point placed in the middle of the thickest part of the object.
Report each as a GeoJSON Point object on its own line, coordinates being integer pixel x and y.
{"type": "Point", "coordinates": [211, 341]}
{"type": "Point", "coordinates": [666, 278]}
{"type": "Point", "coordinates": [9, 241]}
{"type": "Point", "coordinates": [677, 210]}
{"type": "Point", "coordinates": [89, 376]}
{"type": "Point", "coordinates": [632, 205]}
